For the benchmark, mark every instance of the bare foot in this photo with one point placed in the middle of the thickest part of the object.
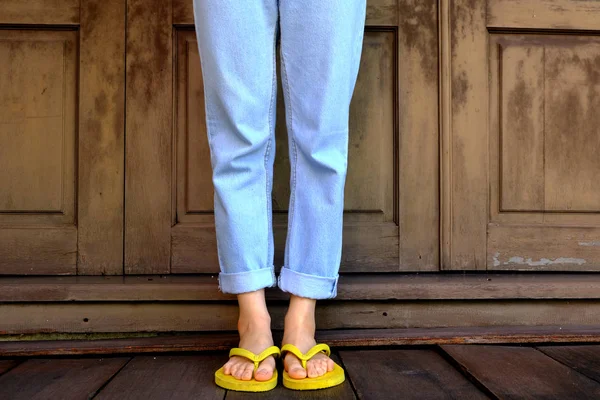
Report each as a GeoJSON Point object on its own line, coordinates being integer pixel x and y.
{"type": "Point", "coordinates": [300, 331]}
{"type": "Point", "coordinates": [254, 327]}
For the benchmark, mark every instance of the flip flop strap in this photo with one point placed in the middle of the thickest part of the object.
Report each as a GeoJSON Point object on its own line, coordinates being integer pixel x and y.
{"type": "Point", "coordinates": [256, 359]}
{"type": "Point", "coordinates": [322, 347]}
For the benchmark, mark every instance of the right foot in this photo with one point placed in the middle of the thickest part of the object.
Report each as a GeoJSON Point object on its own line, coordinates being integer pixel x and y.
{"type": "Point", "coordinates": [255, 336]}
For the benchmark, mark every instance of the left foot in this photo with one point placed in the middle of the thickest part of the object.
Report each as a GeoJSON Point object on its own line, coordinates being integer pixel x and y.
{"type": "Point", "coordinates": [300, 331]}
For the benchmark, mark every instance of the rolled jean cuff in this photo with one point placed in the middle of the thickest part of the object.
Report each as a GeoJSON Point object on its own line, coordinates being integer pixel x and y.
{"type": "Point", "coordinates": [248, 281]}
{"type": "Point", "coordinates": [305, 285]}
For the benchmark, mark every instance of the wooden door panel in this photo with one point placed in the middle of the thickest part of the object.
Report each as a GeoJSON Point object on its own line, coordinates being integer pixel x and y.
{"type": "Point", "coordinates": [370, 233]}
{"type": "Point", "coordinates": [532, 128]}
{"type": "Point", "coordinates": [51, 12]}
{"type": "Point", "coordinates": [37, 114]}
{"type": "Point", "coordinates": [179, 177]}
{"type": "Point", "coordinates": [543, 14]}
{"type": "Point", "coordinates": [61, 131]}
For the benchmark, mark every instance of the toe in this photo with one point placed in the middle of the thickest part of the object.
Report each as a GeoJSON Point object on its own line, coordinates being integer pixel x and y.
{"type": "Point", "coordinates": [265, 370]}
{"type": "Point", "coordinates": [294, 368]}
{"type": "Point", "coordinates": [330, 365]}
{"type": "Point", "coordinates": [237, 370]}
{"type": "Point", "coordinates": [314, 370]}
{"type": "Point", "coordinates": [247, 374]}
{"type": "Point", "coordinates": [227, 367]}
{"type": "Point", "coordinates": [263, 374]}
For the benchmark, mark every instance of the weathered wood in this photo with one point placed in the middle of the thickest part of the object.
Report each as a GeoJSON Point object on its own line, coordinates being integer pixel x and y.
{"type": "Point", "coordinates": [543, 14]}
{"type": "Point", "coordinates": [543, 130]}
{"type": "Point", "coordinates": [541, 248]}
{"type": "Point", "coordinates": [48, 251]}
{"type": "Point", "coordinates": [167, 377]}
{"type": "Point", "coordinates": [517, 125]}
{"type": "Point", "coordinates": [418, 212]}
{"type": "Point", "coordinates": [464, 145]}
{"type": "Point", "coordinates": [149, 113]}
{"type": "Point", "coordinates": [193, 317]}
{"type": "Point", "coordinates": [335, 338]}
{"type": "Point", "coordinates": [521, 372]}
{"type": "Point", "coordinates": [64, 12]}
{"type": "Point", "coordinates": [582, 358]}
{"type": "Point", "coordinates": [379, 12]}
{"type": "Point", "coordinates": [56, 378]}
{"type": "Point", "coordinates": [38, 117]}
{"type": "Point", "coordinates": [384, 374]}
{"type": "Point", "coordinates": [350, 287]}
{"type": "Point", "coordinates": [38, 149]}
{"type": "Point", "coordinates": [7, 365]}
{"type": "Point", "coordinates": [101, 138]}
{"type": "Point", "coordinates": [343, 391]}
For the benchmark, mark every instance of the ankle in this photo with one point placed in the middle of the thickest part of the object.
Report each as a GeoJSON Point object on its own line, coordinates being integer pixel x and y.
{"type": "Point", "coordinates": [299, 324]}
{"type": "Point", "coordinates": [255, 322]}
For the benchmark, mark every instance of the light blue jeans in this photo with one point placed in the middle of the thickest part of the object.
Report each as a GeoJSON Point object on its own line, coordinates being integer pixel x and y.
{"type": "Point", "coordinates": [321, 44]}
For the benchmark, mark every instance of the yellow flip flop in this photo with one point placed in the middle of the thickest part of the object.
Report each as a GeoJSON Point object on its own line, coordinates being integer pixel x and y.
{"type": "Point", "coordinates": [232, 383]}
{"type": "Point", "coordinates": [331, 378]}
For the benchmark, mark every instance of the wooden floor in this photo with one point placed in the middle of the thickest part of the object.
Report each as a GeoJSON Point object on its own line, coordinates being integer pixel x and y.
{"type": "Point", "coordinates": [565, 371]}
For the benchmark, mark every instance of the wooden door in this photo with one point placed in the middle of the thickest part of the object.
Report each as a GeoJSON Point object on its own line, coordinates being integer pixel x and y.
{"type": "Point", "coordinates": [521, 134]}
{"type": "Point", "coordinates": [61, 136]}
{"type": "Point", "coordinates": [391, 223]}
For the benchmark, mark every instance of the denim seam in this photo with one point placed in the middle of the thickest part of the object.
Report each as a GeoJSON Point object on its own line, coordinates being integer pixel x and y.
{"type": "Point", "coordinates": [267, 151]}
{"type": "Point", "coordinates": [295, 152]}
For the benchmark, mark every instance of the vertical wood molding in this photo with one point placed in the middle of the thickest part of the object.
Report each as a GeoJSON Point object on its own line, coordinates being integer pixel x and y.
{"type": "Point", "coordinates": [149, 133]}
{"type": "Point", "coordinates": [418, 135]}
{"type": "Point", "coordinates": [101, 137]}
{"type": "Point", "coordinates": [445, 94]}
{"type": "Point", "coordinates": [464, 103]}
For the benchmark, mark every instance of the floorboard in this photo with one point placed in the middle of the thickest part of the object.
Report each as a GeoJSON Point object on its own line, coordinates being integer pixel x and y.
{"type": "Point", "coordinates": [406, 374]}
{"type": "Point", "coordinates": [216, 341]}
{"type": "Point", "coordinates": [167, 377]}
{"type": "Point", "coordinates": [515, 372]}
{"type": "Point", "coordinates": [584, 359]}
{"type": "Point", "coordinates": [6, 365]}
{"type": "Point", "coordinates": [58, 378]}
{"type": "Point", "coordinates": [340, 392]}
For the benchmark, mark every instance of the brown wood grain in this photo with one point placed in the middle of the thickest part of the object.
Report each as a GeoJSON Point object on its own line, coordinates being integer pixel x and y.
{"type": "Point", "coordinates": [335, 338]}
{"type": "Point", "coordinates": [584, 359]}
{"type": "Point", "coordinates": [58, 378]}
{"type": "Point", "coordinates": [384, 374]}
{"type": "Point", "coordinates": [539, 248]}
{"type": "Point", "coordinates": [38, 149]}
{"type": "Point", "coordinates": [64, 12]}
{"type": "Point", "coordinates": [543, 14]}
{"type": "Point", "coordinates": [101, 138]}
{"type": "Point", "coordinates": [193, 317]}
{"type": "Point", "coordinates": [418, 163]}
{"type": "Point", "coordinates": [49, 251]}
{"type": "Point", "coordinates": [350, 287]}
{"type": "Point", "coordinates": [167, 377]}
{"type": "Point", "coordinates": [521, 372]}
{"type": "Point", "coordinates": [7, 365]}
{"type": "Point", "coordinates": [149, 114]}
{"type": "Point", "coordinates": [464, 145]}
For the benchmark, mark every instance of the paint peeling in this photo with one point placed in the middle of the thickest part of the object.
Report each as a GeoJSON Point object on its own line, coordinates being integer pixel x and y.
{"type": "Point", "coordinates": [545, 261]}
{"type": "Point", "coordinates": [589, 243]}
{"type": "Point", "coordinates": [540, 262]}
{"type": "Point", "coordinates": [496, 260]}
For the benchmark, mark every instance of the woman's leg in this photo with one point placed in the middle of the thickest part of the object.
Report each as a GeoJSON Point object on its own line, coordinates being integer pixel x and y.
{"type": "Point", "coordinates": [321, 45]}
{"type": "Point", "coordinates": [236, 41]}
